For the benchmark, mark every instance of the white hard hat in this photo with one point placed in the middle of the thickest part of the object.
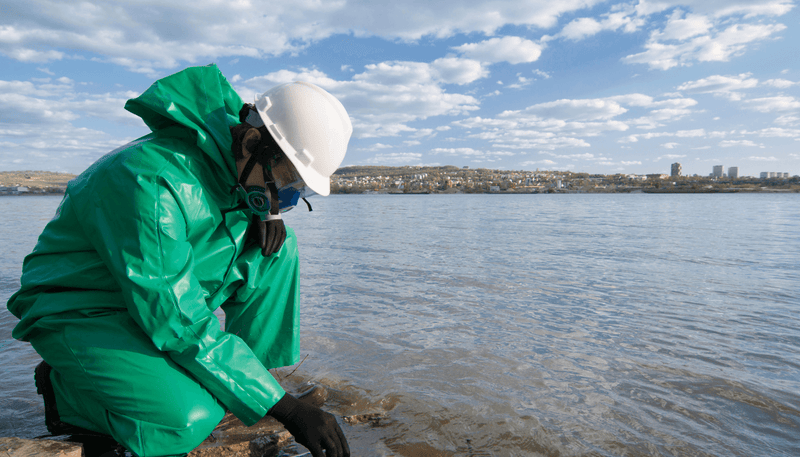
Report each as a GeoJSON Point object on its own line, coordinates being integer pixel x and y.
{"type": "Point", "coordinates": [311, 127]}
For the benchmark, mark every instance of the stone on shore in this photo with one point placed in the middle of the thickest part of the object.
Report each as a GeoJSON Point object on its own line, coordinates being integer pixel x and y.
{"type": "Point", "coordinates": [19, 447]}
{"type": "Point", "coordinates": [231, 438]}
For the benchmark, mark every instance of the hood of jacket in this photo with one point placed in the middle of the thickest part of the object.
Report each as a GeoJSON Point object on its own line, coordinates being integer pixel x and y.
{"type": "Point", "coordinates": [199, 98]}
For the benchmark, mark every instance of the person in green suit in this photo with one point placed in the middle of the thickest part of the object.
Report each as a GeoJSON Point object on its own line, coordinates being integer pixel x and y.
{"type": "Point", "coordinates": [119, 293]}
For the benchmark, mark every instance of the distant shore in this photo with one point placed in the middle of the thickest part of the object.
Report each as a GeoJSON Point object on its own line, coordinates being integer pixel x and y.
{"type": "Point", "coordinates": [428, 181]}
{"type": "Point", "coordinates": [29, 194]}
{"type": "Point", "coordinates": [31, 183]}
{"type": "Point", "coordinates": [633, 190]}
{"type": "Point", "coordinates": [37, 192]}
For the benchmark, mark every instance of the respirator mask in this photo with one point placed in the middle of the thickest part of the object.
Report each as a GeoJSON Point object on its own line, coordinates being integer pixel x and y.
{"type": "Point", "coordinates": [267, 202]}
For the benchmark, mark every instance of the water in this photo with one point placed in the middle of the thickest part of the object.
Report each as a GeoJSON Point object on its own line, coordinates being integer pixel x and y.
{"type": "Point", "coordinates": [516, 325]}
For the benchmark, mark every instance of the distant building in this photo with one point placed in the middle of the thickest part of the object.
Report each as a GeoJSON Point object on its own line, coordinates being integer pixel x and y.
{"type": "Point", "coordinates": [676, 170]}
{"type": "Point", "coordinates": [774, 174]}
{"type": "Point", "coordinates": [733, 172]}
{"type": "Point", "coordinates": [657, 176]}
{"type": "Point", "coordinates": [719, 171]}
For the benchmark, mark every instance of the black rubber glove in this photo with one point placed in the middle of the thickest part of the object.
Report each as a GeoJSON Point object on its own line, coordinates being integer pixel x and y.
{"type": "Point", "coordinates": [312, 427]}
{"type": "Point", "coordinates": [270, 235]}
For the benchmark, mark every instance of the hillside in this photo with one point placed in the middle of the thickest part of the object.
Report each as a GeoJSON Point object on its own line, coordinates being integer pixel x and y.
{"type": "Point", "coordinates": [35, 180]}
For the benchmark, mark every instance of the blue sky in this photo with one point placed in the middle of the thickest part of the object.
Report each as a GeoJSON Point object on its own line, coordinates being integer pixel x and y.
{"type": "Point", "coordinates": [580, 85]}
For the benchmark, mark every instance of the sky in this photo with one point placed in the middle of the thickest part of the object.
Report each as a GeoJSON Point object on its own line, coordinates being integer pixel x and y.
{"type": "Point", "coordinates": [577, 85]}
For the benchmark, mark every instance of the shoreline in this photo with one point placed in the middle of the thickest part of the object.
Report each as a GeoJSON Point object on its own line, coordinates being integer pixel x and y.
{"type": "Point", "coordinates": [29, 194]}
{"type": "Point", "coordinates": [554, 192]}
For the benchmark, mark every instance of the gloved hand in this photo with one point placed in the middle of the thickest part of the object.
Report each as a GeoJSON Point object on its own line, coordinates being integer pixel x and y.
{"type": "Point", "coordinates": [270, 235]}
{"type": "Point", "coordinates": [312, 427]}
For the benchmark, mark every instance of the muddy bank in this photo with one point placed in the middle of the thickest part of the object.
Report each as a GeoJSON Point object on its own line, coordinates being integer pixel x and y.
{"type": "Point", "coordinates": [231, 438]}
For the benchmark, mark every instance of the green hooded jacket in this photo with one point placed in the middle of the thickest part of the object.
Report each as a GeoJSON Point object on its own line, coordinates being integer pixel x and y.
{"type": "Point", "coordinates": [151, 228]}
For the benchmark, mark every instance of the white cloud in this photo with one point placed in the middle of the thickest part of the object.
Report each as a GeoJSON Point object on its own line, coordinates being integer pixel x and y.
{"type": "Point", "coordinates": [589, 157]}
{"type": "Point", "coordinates": [537, 162]}
{"type": "Point", "coordinates": [170, 33]}
{"type": "Point", "coordinates": [458, 71]}
{"type": "Point", "coordinates": [63, 148]}
{"type": "Point", "coordinates": [725, 86]}
{"type": "Point", "coordinates": [521, 82]}
{"type": "Point", "coordinates": [448, 70]}
{"type": "Point", "coordinates": [396, 158]}
{"type": "Point", "coordinates": [670, 145]}
{"type": "Point", "coordinates": [581, 28]}
{"type": "Point", "coordinates": [780, 83]}
{"type": "Point", "coordinates": [732, 143]}
{"type": "Point", "coordinates": [719, 134]}
{"type": "Point", "coordinates": [755, 8]}
{"type": "Point", "coordinates": [762, 159]}
{"type": "Point", "coordinates": [531, 140]}
{"type": "Point", "coordinates": [38, 124]}
{"type": "Point", "coordinates": [579, 110]}
{"type": "Point", "coordinates": [421, 133]}
{"type": "Point", "coordinates": [470, 152]}
{"type": "Point", "coordinates": [57, 102]}
{"type": "Point", "coordinates": [387, 95]}
{"type": "Point", "coordinates": [714, 30]}
{"type": "Point", "coordinates": [565, 123]}
{"type": "Point", "coordinates": [669, 157]}
{"type": "Point", "coordinates": [775, 132]}
{"type": "Point", "coordinates": [770, 104]}
{"type": "Point", "coordinates": [696, 133]}
{"type": "Point", "coordinates": [376, 147]}
{"type": "Point", "coordinates": [696, 38]}
{"type": "Point", "coordinates": [541, 73]}
{"type": "Point", "coordinates": [788, 119]}
{"type": "Point", "coordinates": [681, 28]}
{"type": "Point", "coordinates": [379, 129]}
{"type": "Point", "coordinates": [621, 17]}
{"type": "Point", "coordinates": [510, 49]}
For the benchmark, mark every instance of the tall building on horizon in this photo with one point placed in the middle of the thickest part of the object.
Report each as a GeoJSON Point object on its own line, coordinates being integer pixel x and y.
{"type": "Point", "coordinates": [718, 171]}
{"type": "Point", "coordinates": [676, 170]}
{"type": "Point", "coordinates": [733, 172]}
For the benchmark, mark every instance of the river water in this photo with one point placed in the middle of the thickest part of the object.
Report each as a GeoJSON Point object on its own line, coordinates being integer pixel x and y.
{"type": "Point", "coordinates": [526, 325]}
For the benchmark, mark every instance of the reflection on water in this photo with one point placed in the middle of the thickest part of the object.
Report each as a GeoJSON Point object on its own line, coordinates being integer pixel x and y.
{"type": "Point", "coordinates": [538, 324]}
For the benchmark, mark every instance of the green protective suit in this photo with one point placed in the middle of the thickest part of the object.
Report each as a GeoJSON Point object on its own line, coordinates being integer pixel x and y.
{"type": "Point", "coordinates": [120, 291]}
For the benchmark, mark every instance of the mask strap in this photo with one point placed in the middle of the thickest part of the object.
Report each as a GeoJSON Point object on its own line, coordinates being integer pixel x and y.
{"type": "Point", "coordinates": [251, 162]}
{"type": "Point", "coordinates": [274, 207]}
{"type": "Point", "coordinates": [307, 203]}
